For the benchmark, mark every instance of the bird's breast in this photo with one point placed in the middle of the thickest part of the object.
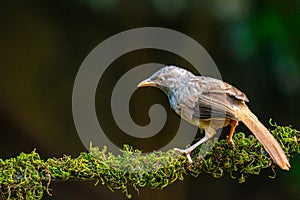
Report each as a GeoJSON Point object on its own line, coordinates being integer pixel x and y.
{"type": "Point", "coordinates": [181, 106]}
{"type": "Point", "coordinates": [173, 102]}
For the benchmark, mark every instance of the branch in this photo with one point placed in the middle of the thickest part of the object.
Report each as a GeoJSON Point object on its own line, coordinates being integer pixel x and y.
{"type": "Point", "coordinates": [27, 176]}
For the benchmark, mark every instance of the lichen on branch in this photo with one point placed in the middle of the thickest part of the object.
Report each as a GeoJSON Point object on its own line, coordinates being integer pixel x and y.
{"type": "Point", "coordinates": [27, 176]}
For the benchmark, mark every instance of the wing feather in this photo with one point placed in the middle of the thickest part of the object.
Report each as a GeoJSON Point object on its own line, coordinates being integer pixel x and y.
{"type": "Point", "coordinates": [215, 98]}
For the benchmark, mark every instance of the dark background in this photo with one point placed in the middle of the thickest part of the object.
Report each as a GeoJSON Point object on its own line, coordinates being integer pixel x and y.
{"type": "Point", "coordinates": [255, 45]}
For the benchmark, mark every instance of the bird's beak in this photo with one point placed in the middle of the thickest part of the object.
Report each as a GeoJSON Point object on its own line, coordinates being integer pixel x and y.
{"type": "Point", "coordinates": [146, 83]}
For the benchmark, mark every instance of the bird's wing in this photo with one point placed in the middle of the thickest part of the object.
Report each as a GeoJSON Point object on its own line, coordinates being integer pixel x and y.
{"type": "Point", "coordinates": [215, 98]}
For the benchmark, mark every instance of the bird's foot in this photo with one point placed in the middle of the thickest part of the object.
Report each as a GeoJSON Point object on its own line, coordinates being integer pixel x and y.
{"type": "Point", "coordinates": [231, 142]}
{"type": "Point", "coordinates": [187, 152]}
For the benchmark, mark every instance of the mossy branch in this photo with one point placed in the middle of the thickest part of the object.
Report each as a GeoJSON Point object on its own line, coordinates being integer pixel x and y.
{"type": "Point", "coordinates": [27, 176]}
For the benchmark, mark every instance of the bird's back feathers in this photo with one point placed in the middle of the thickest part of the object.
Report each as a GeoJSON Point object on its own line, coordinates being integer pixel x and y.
{"type": "Point", "coordinates": [205, 98]}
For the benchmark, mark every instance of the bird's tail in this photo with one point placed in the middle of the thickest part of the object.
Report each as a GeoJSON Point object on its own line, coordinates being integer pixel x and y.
{"type": "Point", "coordinates": [263, 136]}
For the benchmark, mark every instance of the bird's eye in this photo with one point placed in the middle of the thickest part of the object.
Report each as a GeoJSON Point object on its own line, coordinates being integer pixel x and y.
{"type": "Point", "coordinates": [161, 79]}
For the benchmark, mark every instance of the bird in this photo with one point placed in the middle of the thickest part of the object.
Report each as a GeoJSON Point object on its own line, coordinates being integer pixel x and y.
{"type": "Point", "coordinates": [210, 104]}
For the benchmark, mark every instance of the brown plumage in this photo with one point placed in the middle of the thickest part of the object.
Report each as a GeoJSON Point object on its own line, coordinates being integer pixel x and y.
{"type": "Point", "coordinates": [211, 104]}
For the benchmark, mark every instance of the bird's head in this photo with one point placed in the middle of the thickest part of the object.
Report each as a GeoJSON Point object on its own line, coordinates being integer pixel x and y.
{"type": "Point", "coordinates": [167, 78]}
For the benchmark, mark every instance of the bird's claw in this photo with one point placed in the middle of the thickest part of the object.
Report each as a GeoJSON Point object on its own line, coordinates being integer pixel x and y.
{"type": "Point", "coordinates": [180, 150]}
{"type": "Point", "coordinates": [231, 142]}
{"type": "Point", "coordinates": [186, 152]}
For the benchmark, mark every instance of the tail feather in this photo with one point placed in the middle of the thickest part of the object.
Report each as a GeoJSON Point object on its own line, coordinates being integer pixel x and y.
{"type": "Point", "coordinates": [263, 136]}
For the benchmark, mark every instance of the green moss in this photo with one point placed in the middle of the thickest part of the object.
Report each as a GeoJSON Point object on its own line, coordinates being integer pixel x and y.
{"type": "Point", "coordinates": [27, 176]}
{"type": "Point", "coordinates": [24, 177]}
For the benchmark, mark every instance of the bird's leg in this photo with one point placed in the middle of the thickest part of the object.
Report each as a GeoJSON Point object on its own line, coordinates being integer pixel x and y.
{"type": "Point", "coordinates": [233, 124]}
{"type": "Point", "coordinates": [188, 151]}
{"type": "Point", "coordinates": [209, 132]}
